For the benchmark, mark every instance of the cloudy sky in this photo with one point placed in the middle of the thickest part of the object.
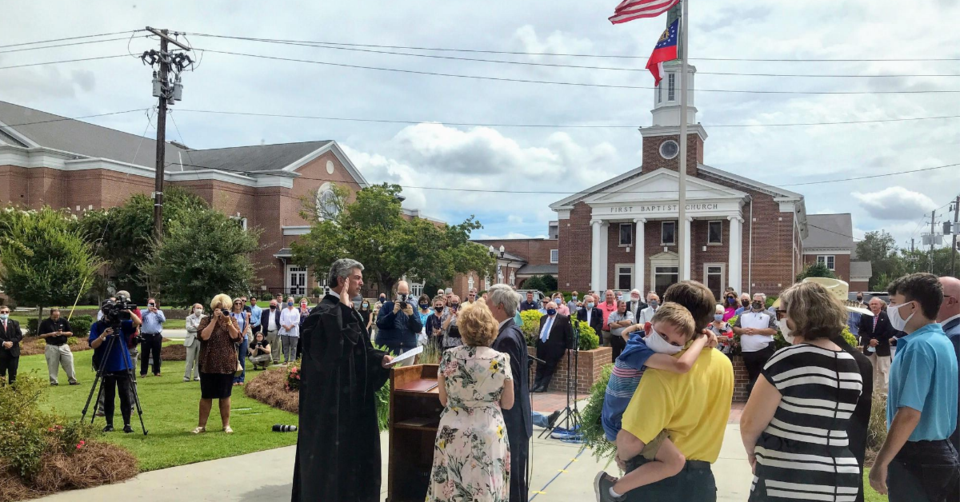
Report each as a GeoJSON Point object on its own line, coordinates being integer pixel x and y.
{"type": "Point", "coordinates": [426, 151]}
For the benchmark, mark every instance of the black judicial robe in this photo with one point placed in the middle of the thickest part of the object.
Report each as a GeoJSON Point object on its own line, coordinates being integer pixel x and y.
{"type": "Point", "coordinates": [338, 447]}
{"type": "Point", "coordinates": [859, 422]}
{"type": "Point", "coordinates": [519, 423]}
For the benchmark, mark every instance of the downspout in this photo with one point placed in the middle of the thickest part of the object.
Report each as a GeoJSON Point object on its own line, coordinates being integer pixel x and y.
{"type": "Point", "coordinates": [793, 250]}
{"type": "Point", "coordinates": [750, 248]}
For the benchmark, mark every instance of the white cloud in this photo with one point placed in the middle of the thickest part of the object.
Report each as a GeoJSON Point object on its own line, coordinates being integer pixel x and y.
{"type": "Point", "coordinates": [895, 203]}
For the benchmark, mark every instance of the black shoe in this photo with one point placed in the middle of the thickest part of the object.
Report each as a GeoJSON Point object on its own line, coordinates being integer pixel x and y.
{"type": "Point", "coordinates": [552, 419]}
{"type": "Point", "coordinates": [601, 487]}
{"type": "Point", "coordinates": [127, 429]}
{"type": "Point", "coordinates": [74, 383]}
{"type": "Point", "coordinates": [54, 384]}
{"type": "Point", "coordinates": [108, 428]}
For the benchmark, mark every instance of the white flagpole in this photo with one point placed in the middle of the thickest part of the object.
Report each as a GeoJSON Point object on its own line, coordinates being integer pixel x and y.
{"type": "Point", "coordinates": [682, 241]}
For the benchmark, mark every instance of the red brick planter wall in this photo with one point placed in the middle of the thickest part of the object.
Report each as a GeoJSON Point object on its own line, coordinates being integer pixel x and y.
{"type": "Point", "coordinates": [591, 363]}
{"type": "Point", "coordinates": [739, 380]}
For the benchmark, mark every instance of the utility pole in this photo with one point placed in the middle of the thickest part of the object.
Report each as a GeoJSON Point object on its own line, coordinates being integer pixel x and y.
{"type": "Point", "coordinates": [166, 93]}
{"type": "Point", "coordinates": [933, 230]}
{"type": "Point", "coordinates": [954, 230]}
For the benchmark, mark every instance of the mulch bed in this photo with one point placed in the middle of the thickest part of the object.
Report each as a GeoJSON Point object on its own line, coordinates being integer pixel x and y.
{"type": "Point", "coordinates": [269, 388]}
{"type": "Point", "coordinates": [30, 347]}
{"type": "Point", "coordinates": [175, 352]}
{"type": "Point", "coordinates": [96, 464]}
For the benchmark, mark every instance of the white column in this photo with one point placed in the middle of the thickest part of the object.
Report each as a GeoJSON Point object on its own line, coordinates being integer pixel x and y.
{"type": "Point", "coordinates": [639, 259]}
{"type": "Point", "coordinates": [595, 256]}
{"type": "Point", "coordinates": [685, 275]}
{"type": "Point", "coordinates": [604, 256]}
{"type": "Point", "coordinates": [735, 265]}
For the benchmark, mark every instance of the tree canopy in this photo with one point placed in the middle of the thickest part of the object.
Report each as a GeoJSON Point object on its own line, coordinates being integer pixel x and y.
{"type": "Point", "coordinates": [816, 270]}
{"type": "Point", "coordinates": [44, 259]}
{"type": "Point", "coordinates": [889, 262]}
{"type": "Point", "coordinates": [373, 231]}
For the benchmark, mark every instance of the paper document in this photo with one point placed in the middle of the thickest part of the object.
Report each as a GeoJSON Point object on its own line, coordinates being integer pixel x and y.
{"type": "Point", "coordinates": [406, 356]}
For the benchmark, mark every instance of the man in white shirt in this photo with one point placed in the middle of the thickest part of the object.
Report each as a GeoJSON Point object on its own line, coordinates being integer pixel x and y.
{"type": "Point", "coordinates": [653, 303]}
{"type": "Point", "coordinates": [289, 331]}
{"type": "Point", "coordinates": [271, 326]}
{"type": "Point", "coordinates": [756, 328]}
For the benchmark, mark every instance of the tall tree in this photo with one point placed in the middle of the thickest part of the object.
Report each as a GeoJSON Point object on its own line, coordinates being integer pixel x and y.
{"type": "Point", "coordinates": [880, 249]}
{"type": "Point", "coordinates": [123, 235]}
{"type": "Point", "coordinates": [44, 259]}
{"type": "Point", "coordinates": [372, 230]}
{"type": "Point", "coordinates": [816, 270]}
{"type": "Point", "coordinates": [201, 256]}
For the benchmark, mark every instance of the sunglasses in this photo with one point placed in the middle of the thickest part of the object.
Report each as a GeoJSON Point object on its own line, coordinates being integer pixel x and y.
{"type": "Point", "coordinates": [781, 313]}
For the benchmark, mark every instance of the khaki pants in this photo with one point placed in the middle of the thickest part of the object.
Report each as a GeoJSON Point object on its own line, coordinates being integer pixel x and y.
{"type": "Point", "coordinates": [274, 340]}
{"type": "Point", "coordinates": [193, 361]}
{"type": "Point", "coordinates": [57, 356]}
{"type": "Point", "coordinates": [881, 373]}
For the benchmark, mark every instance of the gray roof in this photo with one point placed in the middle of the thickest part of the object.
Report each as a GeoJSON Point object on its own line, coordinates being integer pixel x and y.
{"type": "Point", "coordinates": [829, 231]}
{"type": "Point", "coordinates": [861, 269]}
{"type": "Point", "coordinates": [546, 269]}
{"type": "Point", "coordinates": [250, 158]}
{"type": "Point", "coordinates": [89, 140]}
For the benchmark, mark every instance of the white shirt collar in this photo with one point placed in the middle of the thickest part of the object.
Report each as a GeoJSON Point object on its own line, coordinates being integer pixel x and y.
{"type": "Point", "coordinates": [947, 320]}
{"type": "Point", "coordinates": [334, 294]}
{"type": "Point", "coordinates": [503, 322]}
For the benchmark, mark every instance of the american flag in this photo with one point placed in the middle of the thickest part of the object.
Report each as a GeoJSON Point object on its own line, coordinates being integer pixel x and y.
{"type": "Point", "coordinates": [628, 10]}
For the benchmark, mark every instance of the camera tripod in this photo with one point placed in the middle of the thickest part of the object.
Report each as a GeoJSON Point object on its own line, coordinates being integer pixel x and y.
{"type": "Point", "coordinates": [98, 381]}
{"type": "Point", "coordinates": [571, 414]}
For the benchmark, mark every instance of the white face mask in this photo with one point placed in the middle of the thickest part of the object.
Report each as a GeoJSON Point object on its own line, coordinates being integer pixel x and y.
{"type": "Point", "coordinates": [785, 331]}
{"type": "Point", "coordinates": [896, 321]}
{"type": "Point", "coordinates": [198, 311]}
{"type": "Point", "coordinates": [659, 345]}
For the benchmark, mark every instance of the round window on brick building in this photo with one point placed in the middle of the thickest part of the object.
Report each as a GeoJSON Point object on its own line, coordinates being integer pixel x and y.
{"type": "Point", "coordinates": [327, 204]}
{"type": "Point", "coordinates": [669, 149]}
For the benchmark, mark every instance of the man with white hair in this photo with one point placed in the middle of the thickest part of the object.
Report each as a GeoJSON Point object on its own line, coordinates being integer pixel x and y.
{"type": "Point", "coordinates": [635, 305]}
{"type": "Point", "coordinates": [504, 303]}
{"type": "Point", "coordinates": [338, 447]}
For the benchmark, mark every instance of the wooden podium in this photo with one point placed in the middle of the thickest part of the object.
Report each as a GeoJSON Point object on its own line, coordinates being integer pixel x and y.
{"type": "Point", "coordinates": [414, 416]}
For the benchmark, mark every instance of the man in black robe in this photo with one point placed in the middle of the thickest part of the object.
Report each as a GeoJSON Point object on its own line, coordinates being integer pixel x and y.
{"type": "Point", "coordinates": [338, 448]}
{"type": "Point", "coordinates": [504, 303]}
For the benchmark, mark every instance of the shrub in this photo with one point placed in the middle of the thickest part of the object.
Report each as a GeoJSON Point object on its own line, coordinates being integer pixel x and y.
{"type": "Point", "coordinates": [589, 339]}
{"type": "Point", "coordinates": [530, 326]}
{"type": "Point", "coordinates": [591, 427]}
{"type": "Point", "coordinates": [382, 399]}
{"type": "Point", "coordinates": [80, 325]}
{"type": "Point", "coordinates": [877, 430]}
{"type": "Point", "coordinates": [33, 325]}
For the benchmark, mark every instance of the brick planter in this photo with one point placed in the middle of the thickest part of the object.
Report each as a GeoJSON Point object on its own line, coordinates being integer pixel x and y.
{"type": "Point", "coordinates": [591, 362]}
{"type": "Point", "coordinates": [739, 380]}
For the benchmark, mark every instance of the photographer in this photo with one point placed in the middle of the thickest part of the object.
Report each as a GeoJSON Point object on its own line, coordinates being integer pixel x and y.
{"type": "Point", "coordinates": [55, 330]}
{"type": "Point", "coordinates": [448, 323]}
{"type": "Point", "coordinates": [152, 334]}
{"type": "Point", "coordinates": [114, 359]}
{"type": "Point", "coordinates": [398, 323]}
{"type": "Point", "coordinates": [219, 336]}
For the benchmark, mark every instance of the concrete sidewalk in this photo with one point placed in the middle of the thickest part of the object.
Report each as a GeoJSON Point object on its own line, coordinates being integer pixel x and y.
{"type": "Point", "coordinates": [558, 472]}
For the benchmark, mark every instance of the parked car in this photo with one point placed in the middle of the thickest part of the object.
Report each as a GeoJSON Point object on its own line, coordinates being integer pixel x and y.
{"type": "Point", "coordinates": [867, 295]}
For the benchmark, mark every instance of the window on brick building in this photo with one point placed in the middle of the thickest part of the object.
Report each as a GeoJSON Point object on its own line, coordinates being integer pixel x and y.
{"type": "Point", "coordinates": [827, 259]}
{"type": "Point", "coordinates": [624, 276]}
{"type": "Point", "coordinates": [626, 234]}
{"type": "Point", "coordinates": [713, 278]}
{"type": "Point", "coordinates": [715, 233]}
{"type": "Point", "coordinates": [554, 256]}
{"type": "Point", "coordinates": [668, 233]}
{"type": "Point", "coordinates": [664, 277]}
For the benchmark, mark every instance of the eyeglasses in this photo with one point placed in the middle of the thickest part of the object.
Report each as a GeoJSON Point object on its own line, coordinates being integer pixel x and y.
{"type": "Point", "coordinates": [781, 313]}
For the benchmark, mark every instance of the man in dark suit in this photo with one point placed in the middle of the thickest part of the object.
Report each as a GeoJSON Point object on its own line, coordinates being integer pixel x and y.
{"type": "Point", "coordinates": [10, 336]}
{"type": "Point", "coordinates": [875, 334]}
{"type": "Point", "coordinates": [504, 303]}
{"type": "Point", "coordinates": [555, 335]}
{"type": "Point", "coordinates": [590, 314]}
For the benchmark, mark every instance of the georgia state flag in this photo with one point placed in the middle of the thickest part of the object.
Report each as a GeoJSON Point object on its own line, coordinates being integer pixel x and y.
{"type": "Point", "coordinates": [666, 50]}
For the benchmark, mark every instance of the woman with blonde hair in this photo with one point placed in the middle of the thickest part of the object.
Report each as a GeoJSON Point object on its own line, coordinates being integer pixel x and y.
{"type": "Point", "coordinates": [219, 336]}
{"type": "Point", "coordinates": [471, 459]}
{"type": "Point", "coordinates": [794, 424]}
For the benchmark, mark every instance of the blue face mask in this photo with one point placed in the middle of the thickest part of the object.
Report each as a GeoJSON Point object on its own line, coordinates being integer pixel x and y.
{"type": "Point", "coordinates": [289, 304]}
{"type": "Point", "coordinates": [590, 305]}
{"type": "Point", "coordinates": [551, 311]}
{"type": "Point", "coordinates": [574, 297]}
{"type": "Point", "coordinates": [717, 317]}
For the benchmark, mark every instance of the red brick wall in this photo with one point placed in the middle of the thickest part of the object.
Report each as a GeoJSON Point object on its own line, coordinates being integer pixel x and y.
{"type": "Point", "coordinates": [653, 161]}
{"type": "Point", "coordinates": [590, 365]}
{"type": "Point", "coordinates": [575, 241]}
{"type": "Point", "coordinates": [534, 251]}
{"type": "Point", "coordinates": [617, 254]}
{"type": "Point", "coordinates": [841, 263]}
{"type": "Point", "coordinates": [740, 380]}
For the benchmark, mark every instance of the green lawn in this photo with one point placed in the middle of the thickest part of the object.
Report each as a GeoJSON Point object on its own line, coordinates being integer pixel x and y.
{"type": "Point", "coordinates": [170, 324]}
{"type": "Point", "coordinates": [170, 413]}
{"type": "Point", "coordinates": [869, 494]}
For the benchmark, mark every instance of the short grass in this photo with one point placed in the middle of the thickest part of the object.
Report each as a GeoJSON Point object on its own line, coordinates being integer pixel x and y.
{"type": "Point", "coordinates": [869, 494]}
{"type": "Point", "coordinates": [170, 324]}
{"type": "Point", "coordinates": [170, 413]}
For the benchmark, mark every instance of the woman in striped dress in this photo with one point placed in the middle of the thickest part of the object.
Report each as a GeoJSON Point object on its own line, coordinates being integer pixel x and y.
{"type": "Point", "coordinates": [794, 424]}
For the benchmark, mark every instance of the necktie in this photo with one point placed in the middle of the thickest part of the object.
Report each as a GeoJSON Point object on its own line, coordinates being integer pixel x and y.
{"type": "Point", "coordinates": [876, 319]}
{"type": "Point", "coordinates": [546, 330]}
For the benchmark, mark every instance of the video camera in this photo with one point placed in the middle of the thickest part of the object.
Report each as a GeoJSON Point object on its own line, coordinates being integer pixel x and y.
{"type": "Point", "coordinates": [117, 311]}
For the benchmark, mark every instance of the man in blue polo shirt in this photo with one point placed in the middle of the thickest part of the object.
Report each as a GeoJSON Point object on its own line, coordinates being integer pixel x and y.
{"type": "Point", "coordinates": [114, 359]}
{"type": "Point", "coordinates": [917, 461]}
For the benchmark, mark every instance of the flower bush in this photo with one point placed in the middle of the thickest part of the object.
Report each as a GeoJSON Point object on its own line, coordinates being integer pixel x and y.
{"type": "Point", "coordinates": [293, 376]}
{"type": "Point", "coordinates": [589, 339]}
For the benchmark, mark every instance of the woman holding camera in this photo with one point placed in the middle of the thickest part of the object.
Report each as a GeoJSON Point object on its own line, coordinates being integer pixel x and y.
{"type": "Point", "coordinates": [451, 333]}
{"type": "Point", "coordinates": [220, 334]}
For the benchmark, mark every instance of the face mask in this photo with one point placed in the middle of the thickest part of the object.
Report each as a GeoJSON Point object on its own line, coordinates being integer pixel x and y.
{"type": "Point", "coordinates": [785, 331]}
{"type": "Point", "coordinates": [718, 317]}
{"type": "Point", "coordinates": [551, 312]}
{"type": "Point", "coordinates": [757, 306]}
{"type": "Point", "coordinates": [198, 311]}
{"type": "Point", "coordinates": [366, 305]}
{"type": "Point", "coordinates": [383, 299]}
{"type": "Point", "coordinates": [659, 345]}
{"type": "Point", "coordinates": [745, 303]}
{"type": "Point", "coordinates": [454, 306]}
{"type": "Point", "coordinates": [272, 307]}
{"type": "Point", "coordinates": [574, 297]}
{"type": "Point", "coordinates": [424, 306]}
{"type": "Point", "coordinates": [289, 304]}
{"type": "Point", "coordinates": [4, 316]}
{"type": "Point", "coordinates": [732, 301]}
{"type": "Point", "coordinates": [654, 303]}
{"type": "Point", "coordinates": [634, 299]}
{"type": "Point", "coordinates": [859, 299]}
{"type": "Point", "coordinates": [896, 321]}
{"type": "Point", "coordinates": [590, 305]}
{"type": "Point", "coordinates": [438, 308]}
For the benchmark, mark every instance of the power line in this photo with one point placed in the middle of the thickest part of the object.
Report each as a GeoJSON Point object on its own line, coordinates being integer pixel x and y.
{"type": "Point", "coordinates": [72, 38]}
{"type": "Point", "coordinates": [319, 45]}
{"type": "Point", "coordinates": [560, 54]}
{"type": "Point", "coordinates": [872, 176]}
{"type": "Point", "coordinates": [556, 82]}
{"type": "Point", "coordinates": [72, 44]}
{"type": "Point", "coordinates": [586, 126]}
{"type": "Point", "coordinates": [62, 119]}
{"type": "Point", "coordinates": [64, 61]}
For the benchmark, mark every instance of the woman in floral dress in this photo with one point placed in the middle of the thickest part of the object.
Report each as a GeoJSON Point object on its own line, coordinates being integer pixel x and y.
{"type": "Point", "coordinates": [471, 456]}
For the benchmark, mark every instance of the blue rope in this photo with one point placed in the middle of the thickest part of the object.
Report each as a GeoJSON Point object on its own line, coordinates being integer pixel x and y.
{"type": "Point", "coordinates": [572, 460]}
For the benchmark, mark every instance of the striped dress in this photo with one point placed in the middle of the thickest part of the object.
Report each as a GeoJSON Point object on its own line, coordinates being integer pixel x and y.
{"type": "Point", "coordinates": [803, 454]}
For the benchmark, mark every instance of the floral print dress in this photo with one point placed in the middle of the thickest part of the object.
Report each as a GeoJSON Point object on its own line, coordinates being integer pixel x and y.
{"type": "Point", "coordinates": [471, 455]}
